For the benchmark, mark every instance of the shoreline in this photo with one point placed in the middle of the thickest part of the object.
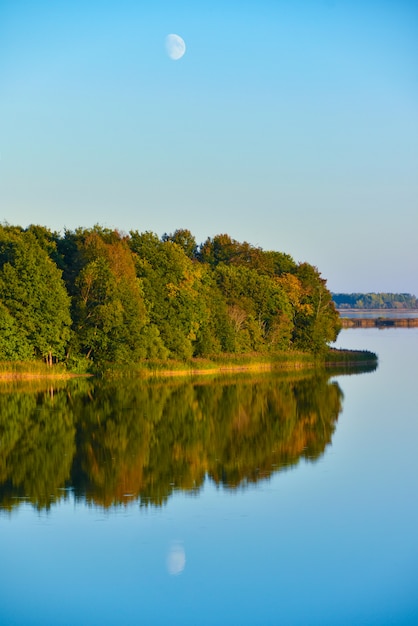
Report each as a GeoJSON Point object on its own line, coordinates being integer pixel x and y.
{"type": "Point", "coordinates": [228, 369]}
{"type": "Point", "coordinates": [334, 358]}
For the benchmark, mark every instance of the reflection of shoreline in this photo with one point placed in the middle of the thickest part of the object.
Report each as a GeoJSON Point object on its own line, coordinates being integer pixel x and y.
{"type": "Point", "coordinates": [373, 313]}
{"type": "Point", "coordinates": [115, 443]}
{"type": "Point", "coordinates": [234, 369]}
{"type": "Point", "coordinates": [379, 322]}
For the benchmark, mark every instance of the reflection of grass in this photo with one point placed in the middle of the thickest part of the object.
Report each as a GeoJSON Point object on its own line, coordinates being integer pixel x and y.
{"type": "Point", "coordinates": [43, 384]}
{"type": "Point", "coordinates": [229, 377]}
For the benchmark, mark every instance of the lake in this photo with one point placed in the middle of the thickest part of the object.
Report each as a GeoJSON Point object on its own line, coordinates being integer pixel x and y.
{"type": "Point", "coordinates": [254, 500]}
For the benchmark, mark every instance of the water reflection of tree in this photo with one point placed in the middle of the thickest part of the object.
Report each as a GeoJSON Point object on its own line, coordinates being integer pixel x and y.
{"type": "Point", "coordinates": [274, 427]}
{"type": "Point", "coordinates": [114, 443]}
{"type": "Point", "coordinates": [37, 446]}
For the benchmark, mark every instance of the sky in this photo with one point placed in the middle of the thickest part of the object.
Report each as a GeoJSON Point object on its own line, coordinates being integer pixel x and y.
{"type": "Point", "coordinates": [290, 124]}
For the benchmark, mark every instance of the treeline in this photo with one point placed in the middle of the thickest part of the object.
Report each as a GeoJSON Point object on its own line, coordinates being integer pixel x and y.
{"type": "Point", "coordinates": [97, 295]}
{"type": "Point", "coordinates": [375, 301]}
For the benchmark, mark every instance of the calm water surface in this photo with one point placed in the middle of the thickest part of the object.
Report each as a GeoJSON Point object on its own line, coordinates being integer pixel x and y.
{"type": "Point", "coordinates": [259, 501]}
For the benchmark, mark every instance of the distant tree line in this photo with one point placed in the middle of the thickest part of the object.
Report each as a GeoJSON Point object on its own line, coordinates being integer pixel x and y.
{"type": "Point", "coordinates": [97, 295]}
{"type": "Point", "coordinates": [375, 301]}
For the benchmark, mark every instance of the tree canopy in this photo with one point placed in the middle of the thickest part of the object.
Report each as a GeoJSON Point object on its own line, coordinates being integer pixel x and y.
{"type": "Point", "coordinates": [97, 295]}
{"type": "Point", "coordinates": [34, 304]}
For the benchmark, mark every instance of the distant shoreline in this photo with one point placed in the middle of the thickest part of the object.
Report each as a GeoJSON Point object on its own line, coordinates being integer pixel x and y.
{"type": "Point", "coordinates": [377, 311]}
{"type": "Point", "coordinates": [379, 322]}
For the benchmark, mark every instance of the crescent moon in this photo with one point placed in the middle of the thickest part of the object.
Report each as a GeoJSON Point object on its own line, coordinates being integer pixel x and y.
{"type": "Point", "coordinates": [175, 46]}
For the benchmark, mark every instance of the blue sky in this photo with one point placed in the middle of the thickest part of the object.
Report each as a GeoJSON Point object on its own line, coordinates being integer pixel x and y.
{"type": "Point", "coordinates": [289, 124]}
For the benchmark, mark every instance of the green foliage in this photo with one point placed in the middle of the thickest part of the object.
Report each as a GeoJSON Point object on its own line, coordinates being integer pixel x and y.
{"type": "Point", "coordinates": [14, 343]}
{"type": "Point", "coordinates": [316, 322]}
{"type": "Point", "coordinates": [258, 308]}
{"type": "Point", "coordinates": [33, 297]}
{"type": "Point", "coordinates": [183, 238]}
{"type": "Point", "coordinates": [48, 241]}
{"type": "Point", "coordinates": [224, 249]}
{"type": "Point", "coordinates": [99, 296]}
{"type": "Point", "coordinates": [109, 311]}
{"type": "Point", "coordinates": [173, 291]}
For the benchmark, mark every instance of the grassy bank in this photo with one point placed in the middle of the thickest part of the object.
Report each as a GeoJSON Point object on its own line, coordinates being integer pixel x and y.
{"type": "Point", "coordinates": [349, 357]}
{"type": "Point", "coordinates": [250, 363]}
{"type": "Point", "coordinates": [27, 370]}
{"type": "Point", "coordinates": [219, 364]}
{"type": "Point", "coordinates": [223, 364]}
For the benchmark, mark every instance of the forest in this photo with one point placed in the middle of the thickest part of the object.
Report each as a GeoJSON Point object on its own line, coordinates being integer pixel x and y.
{"type": "Point", "coordinates": [96, 296]}
{"type": "Point", "coordinates": [375, 301]}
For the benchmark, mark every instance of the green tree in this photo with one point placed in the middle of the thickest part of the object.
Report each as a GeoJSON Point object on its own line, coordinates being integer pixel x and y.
{"type": "Point", "coordinates": [258, 307]}
{"type": "Point", "coordinates": [33, 294]}
{"type": "Point", "coordinates": [317, 322]}
{"type": "Point", "coordinates": [109, 311]}
{"type": "Point", "coordinates": [48, 241]}
{"type": "Point", "coordinates": [224, 249]}
{"type": "Point", "coordinates": [14, 343]}
{"type": "Point", "coordinates": [174, 292]}
{"type": "Point", "coordinates": [183, 238]}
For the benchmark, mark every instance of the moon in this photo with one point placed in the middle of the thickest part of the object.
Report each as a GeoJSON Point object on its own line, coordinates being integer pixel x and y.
{"type": "Point", "coordinates": [175, 46]}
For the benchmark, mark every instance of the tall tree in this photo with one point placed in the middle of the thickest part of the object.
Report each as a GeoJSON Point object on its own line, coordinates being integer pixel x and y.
{"type": "Point", "coordinates": [109, 311]}
{"type": "Point", "coordinates": [316, 320]}
{"type": "Point", "coordinates": [33, 294]}
{"type": "Point", "coordinates": [173, 292]}
{"type": "Point", "coordinates": [183, 238]}
{"type": "Point", "coordinates": [14, 342]}
{"type": "Point", "coordinates": [258, 307]}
